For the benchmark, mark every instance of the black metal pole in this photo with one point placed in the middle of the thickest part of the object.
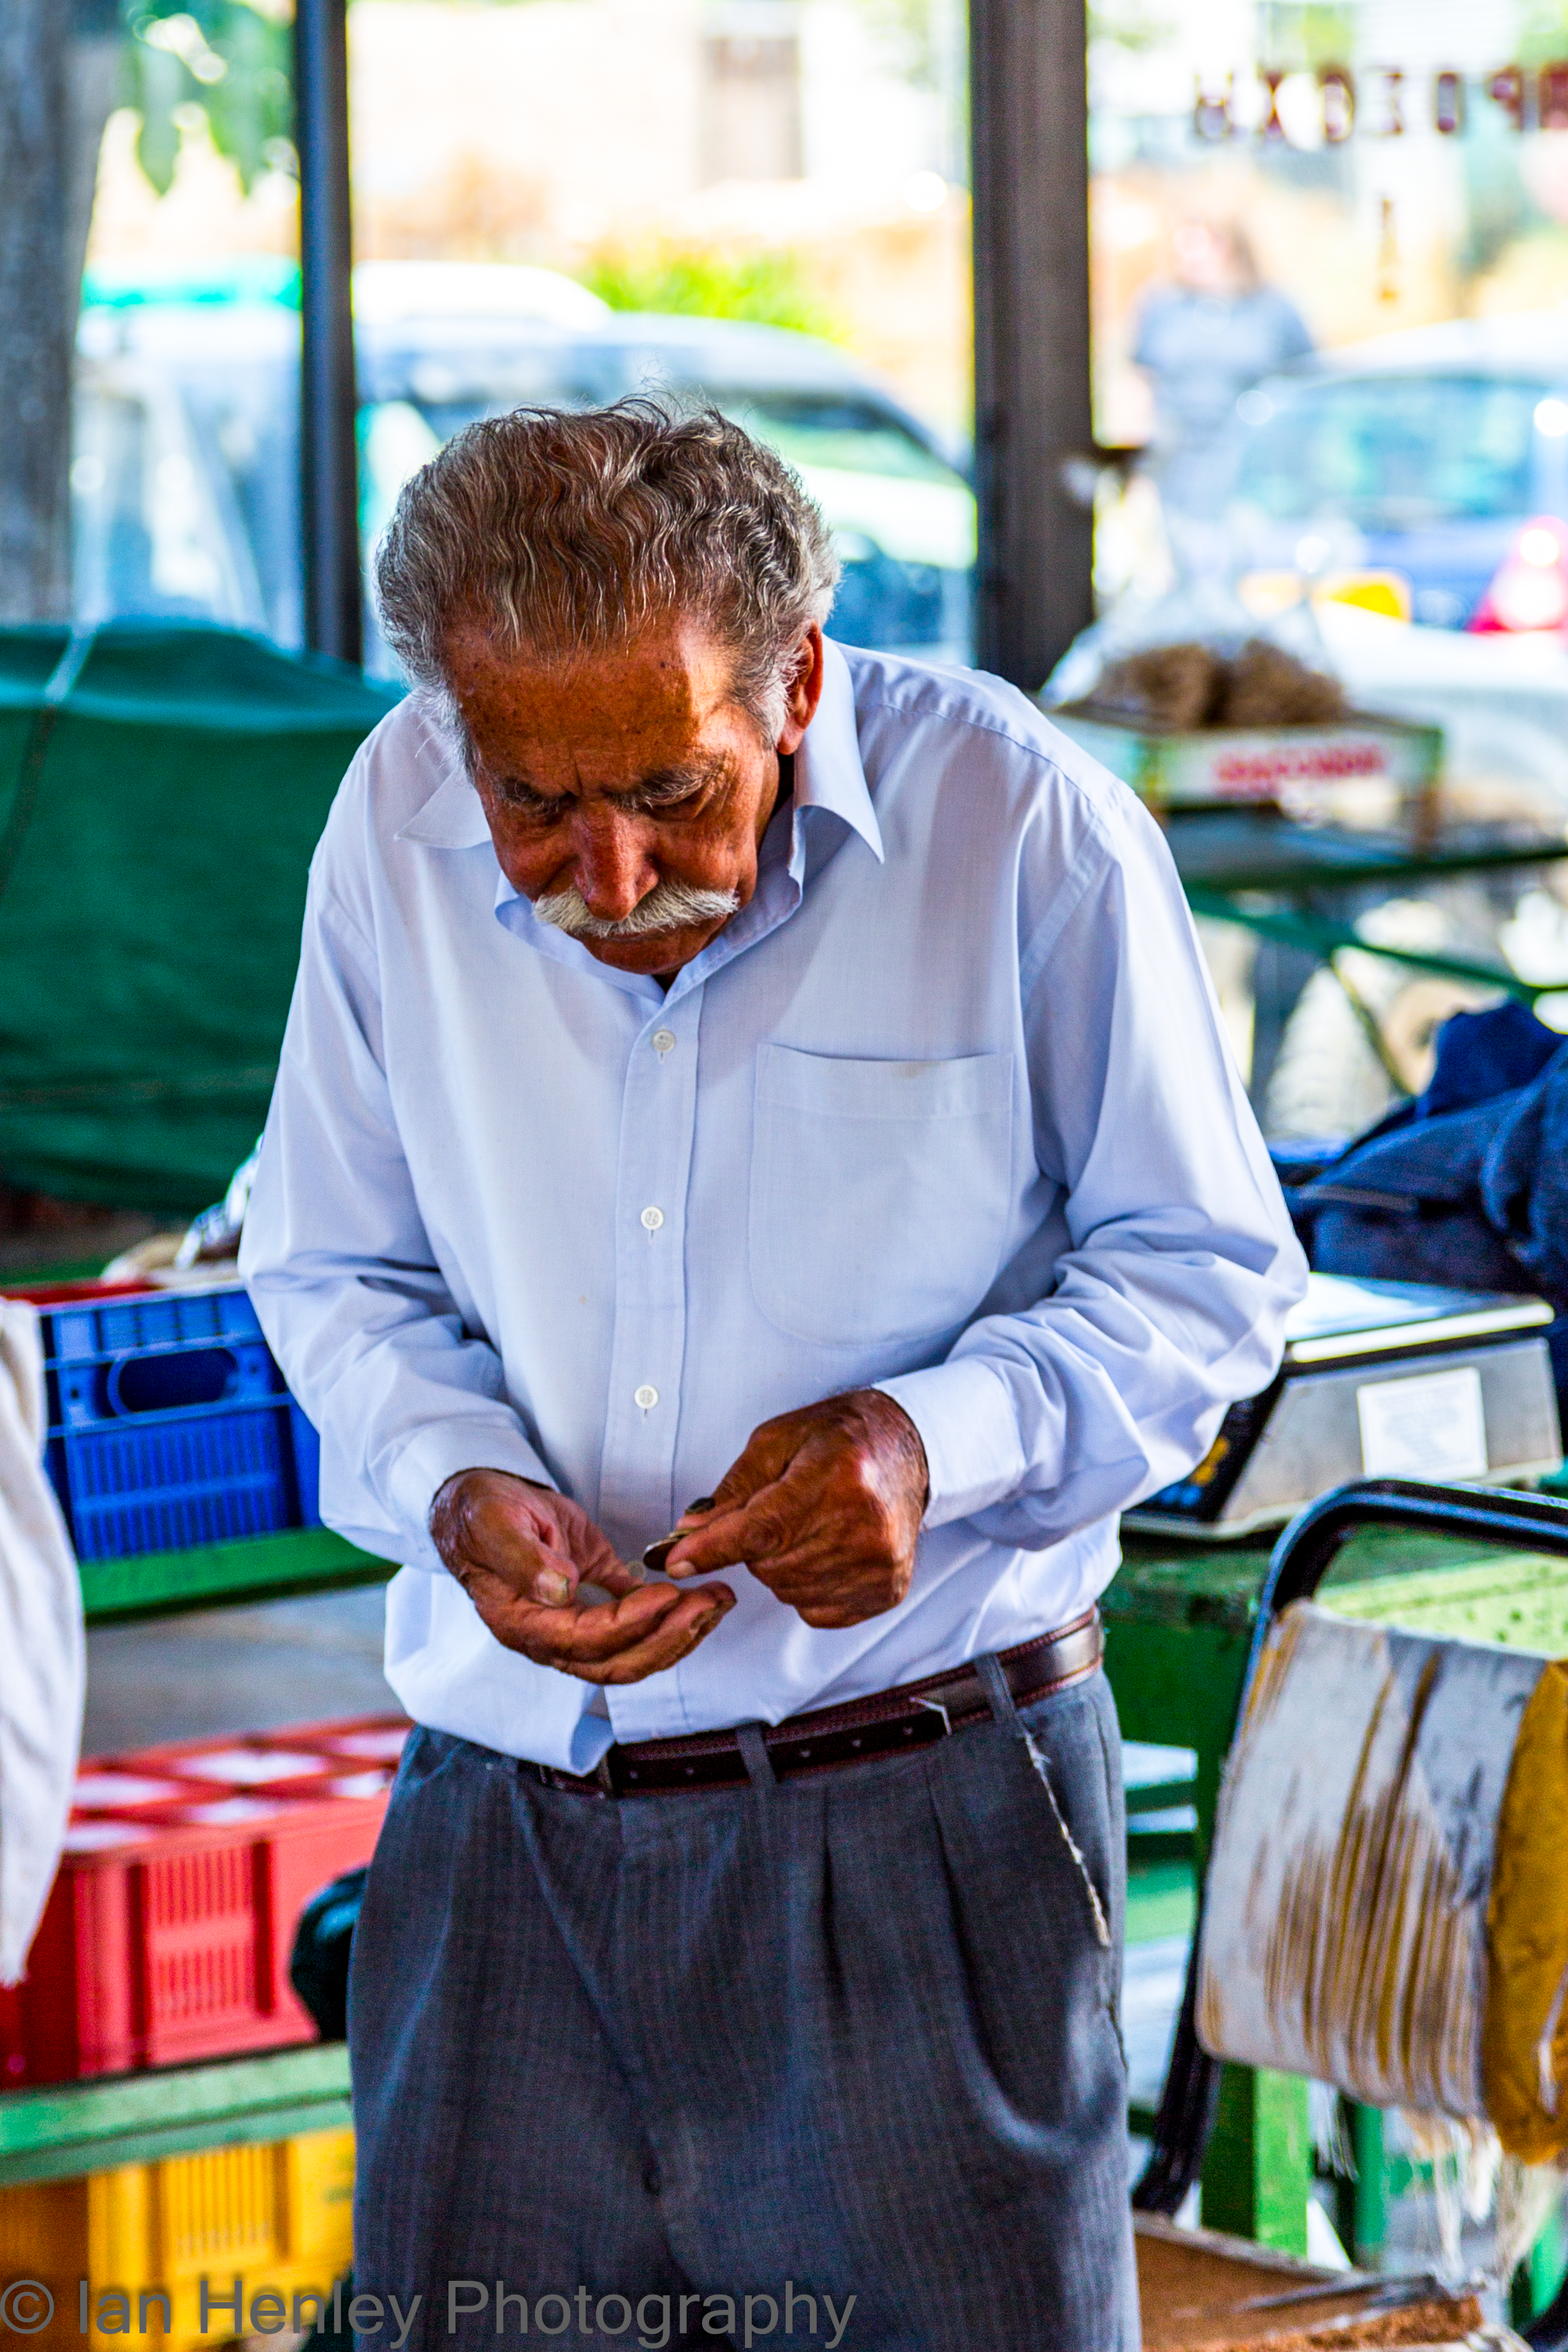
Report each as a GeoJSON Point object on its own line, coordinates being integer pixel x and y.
{"type": "Point", "coordinates": [328, 471]}
{"type": "Point", "coordinates": [1029, 131]}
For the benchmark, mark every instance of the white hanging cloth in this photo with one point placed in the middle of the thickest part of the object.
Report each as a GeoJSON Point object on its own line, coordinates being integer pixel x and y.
{"type": "Point", "coordinates": [43, 1648]}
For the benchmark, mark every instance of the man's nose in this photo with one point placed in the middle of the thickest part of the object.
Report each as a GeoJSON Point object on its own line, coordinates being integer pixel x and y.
{"type": "Point", "coordinates": [611, 866]}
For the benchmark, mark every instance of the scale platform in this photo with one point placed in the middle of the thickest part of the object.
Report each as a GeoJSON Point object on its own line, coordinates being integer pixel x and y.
{"type": "Point", "coordinates": [1380, 1380]}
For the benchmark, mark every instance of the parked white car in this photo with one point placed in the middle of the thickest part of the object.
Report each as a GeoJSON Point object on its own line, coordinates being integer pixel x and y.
{"type": "Point", "coordinates": [186, 454]}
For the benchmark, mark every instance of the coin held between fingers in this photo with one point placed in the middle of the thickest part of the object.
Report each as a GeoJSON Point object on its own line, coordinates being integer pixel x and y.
{"type": "Point", "coordinates": [657, 1553]}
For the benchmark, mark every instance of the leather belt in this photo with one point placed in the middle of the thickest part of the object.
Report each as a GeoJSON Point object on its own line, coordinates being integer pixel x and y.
{"type": "Point", "coordinates": [912, 1715]}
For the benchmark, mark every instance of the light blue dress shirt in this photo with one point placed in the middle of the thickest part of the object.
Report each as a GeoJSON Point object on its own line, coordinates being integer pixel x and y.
{"type": "Point", "coordinates": [948, 1107]}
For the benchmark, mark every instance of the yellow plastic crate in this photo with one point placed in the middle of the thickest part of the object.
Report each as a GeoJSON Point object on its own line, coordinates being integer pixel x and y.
{"type": "Point", "coordinates": [281, 2217]}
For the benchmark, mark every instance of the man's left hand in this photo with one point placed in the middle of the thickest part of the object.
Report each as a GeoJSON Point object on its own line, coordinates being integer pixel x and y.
{"type": "Point", "coordinates": [823, 1507]}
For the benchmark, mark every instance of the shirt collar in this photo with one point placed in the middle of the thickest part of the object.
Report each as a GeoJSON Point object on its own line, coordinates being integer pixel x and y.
{"type": "Point", "coordinates": [828, 775]}
{"type": "Point", "coordinates": [828, 770]}
{"type": "Point", "coordinates": [454, 815]}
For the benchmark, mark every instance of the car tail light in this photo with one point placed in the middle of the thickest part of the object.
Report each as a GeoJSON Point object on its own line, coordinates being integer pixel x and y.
{"type": "Point", "coordinates": [1529, 589]}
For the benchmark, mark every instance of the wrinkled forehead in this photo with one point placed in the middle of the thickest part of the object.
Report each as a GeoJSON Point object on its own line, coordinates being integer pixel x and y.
{"type": "Point", "coordinates": [673, 675]}
{"type": "Point", "coordinates": [607, 719]}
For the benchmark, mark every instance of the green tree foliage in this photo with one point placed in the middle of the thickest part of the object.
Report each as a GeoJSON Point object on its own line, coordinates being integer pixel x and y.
{"type": "Point", "coordinates": [1128, 24]}
{"type": "Point", "coordinates": [1300, 36]}
{"type": "Point", "coordinates": [224, 58]}
{"type": "Point", "coordinates": [770, 287]}
{"type": "Point", "coordinates": [1541, 34]}
{"type": "Point", "coordinates": [910, 34]}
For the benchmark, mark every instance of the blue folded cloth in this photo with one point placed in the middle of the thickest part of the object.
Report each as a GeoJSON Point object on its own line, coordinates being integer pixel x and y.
{"type": "Point", "coordinates": [1468, 1185]}
{"type": "Point", "coordinates": [1483, 1054]}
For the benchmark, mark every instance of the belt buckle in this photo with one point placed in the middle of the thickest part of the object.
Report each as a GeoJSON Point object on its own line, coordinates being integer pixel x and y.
{"type": "Point", "coordinates": [944, 1702]}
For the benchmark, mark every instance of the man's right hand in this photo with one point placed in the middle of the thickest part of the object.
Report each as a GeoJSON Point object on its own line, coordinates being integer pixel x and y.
{"type": "Point", "coordinates": [519, 1552]}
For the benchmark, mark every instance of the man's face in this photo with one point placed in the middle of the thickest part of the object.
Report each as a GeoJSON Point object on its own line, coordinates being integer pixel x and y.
{"type": "Point", "coordinates": [616, 786]}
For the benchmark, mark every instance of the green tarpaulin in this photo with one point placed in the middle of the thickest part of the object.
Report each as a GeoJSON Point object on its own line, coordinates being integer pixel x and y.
{"type": "Point", "coordinates": [161, 788]}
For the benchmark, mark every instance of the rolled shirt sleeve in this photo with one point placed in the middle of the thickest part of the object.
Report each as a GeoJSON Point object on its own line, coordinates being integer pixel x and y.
{"type": "Point", "coordinates": [1169, 1302]}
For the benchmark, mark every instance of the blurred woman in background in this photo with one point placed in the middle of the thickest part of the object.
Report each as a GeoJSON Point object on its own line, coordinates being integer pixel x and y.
{"type": "Point", "coordinates": [1202, 338]}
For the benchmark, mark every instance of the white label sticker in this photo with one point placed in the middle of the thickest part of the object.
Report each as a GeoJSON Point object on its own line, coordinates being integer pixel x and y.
{"type": "Point", "coordinates": [1428, 1427]}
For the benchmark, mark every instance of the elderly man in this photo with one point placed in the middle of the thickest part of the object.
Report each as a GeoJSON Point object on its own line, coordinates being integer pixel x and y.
{"type": "Point", "coordinates": [725, 1065]}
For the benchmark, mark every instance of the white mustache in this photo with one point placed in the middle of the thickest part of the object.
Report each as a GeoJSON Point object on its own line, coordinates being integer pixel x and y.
{"type": "Point", "coordinates": [668, 907]}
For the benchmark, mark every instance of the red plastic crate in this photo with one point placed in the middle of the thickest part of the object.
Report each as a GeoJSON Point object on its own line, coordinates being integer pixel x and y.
{"type": "Point", "coordinates": [167, 1934]}
{"type": "Point", "coordinates": [71, 1294]}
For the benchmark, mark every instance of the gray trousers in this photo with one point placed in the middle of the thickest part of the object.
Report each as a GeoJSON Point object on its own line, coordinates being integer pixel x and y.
{"type": "Point", "coordinates": [835, 2062]}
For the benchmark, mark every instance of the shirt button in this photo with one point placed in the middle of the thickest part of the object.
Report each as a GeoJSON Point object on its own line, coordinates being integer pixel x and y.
{"type": "Point", "coordinates": [646, 1396]}
{"type": "Point", "coordinates": [664, 1041]}
{"type": "Point", "coordinates": [652, 1219]}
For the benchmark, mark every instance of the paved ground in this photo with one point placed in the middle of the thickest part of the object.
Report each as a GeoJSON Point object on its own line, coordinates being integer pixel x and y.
{"type": "Point", "coordinates": [1151, 1996]}
{"type": "Point", "coordinates": [235, 1670]}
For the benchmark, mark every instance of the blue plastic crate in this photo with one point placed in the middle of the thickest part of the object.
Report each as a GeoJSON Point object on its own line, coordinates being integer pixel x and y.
{"type": "Point", "coordinates": [169, 1425]}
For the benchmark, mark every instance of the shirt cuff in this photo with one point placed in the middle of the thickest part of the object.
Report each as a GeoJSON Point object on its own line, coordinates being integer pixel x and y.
{"type": "Point", "coordinates": [442, 1449]}
{"type": "Point", "coordinates": [974, 1449]}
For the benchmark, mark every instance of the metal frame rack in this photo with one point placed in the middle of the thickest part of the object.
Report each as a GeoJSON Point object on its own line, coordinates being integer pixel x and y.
{"type": "Point", "coordinates": [1182, 1628]}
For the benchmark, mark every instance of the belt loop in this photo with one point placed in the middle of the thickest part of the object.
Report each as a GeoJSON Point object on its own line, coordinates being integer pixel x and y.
{"type": "Point", "coordinates": [754, 1755]}
{"type": "Point", "coordinates": [994, 1683]}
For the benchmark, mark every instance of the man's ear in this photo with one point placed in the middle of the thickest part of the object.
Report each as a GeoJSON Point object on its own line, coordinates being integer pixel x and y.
{"type": "Point", "coordinates": [805, 691]}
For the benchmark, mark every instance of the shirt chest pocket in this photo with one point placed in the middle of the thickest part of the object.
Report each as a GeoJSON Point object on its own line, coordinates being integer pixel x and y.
{"type": "Point", "coordinates": [879, 1192]}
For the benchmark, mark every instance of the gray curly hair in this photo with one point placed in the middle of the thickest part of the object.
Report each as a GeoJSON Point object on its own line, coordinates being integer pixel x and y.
{"type": "Point", "coordinates": [568, 531]}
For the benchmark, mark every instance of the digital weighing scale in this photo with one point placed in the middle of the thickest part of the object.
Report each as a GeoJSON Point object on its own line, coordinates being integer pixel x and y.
{"type": "Point", "coordinates": [1379, 1380]}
